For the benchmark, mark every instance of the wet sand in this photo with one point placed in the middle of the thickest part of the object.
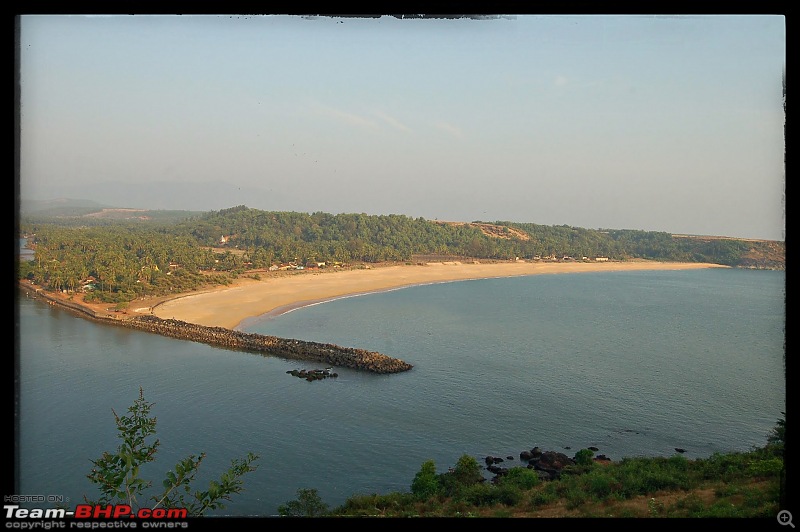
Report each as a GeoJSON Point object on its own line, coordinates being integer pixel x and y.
{"type": "Point", "coordinates": [238, 305]}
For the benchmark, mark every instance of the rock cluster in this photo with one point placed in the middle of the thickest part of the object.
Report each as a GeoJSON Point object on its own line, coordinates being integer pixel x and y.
{"type": "Point", "coordinates": [547, 464]}
{"type": "Point", "coordinates": [313, 374]}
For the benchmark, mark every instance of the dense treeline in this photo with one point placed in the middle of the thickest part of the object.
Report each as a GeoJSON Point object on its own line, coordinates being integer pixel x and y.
{"type": "Point", "coordinates": [122, 261]}
{"type": "Point", "coordinates": [290, 236]}
{"type": "Point", "coordinates": [126, 259]}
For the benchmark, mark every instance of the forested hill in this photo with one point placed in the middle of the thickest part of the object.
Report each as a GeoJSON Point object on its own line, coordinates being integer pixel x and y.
{"type": "Point", "coordinates": [118, 259]}
{"type": "Point", "coordinates": [375, 238]}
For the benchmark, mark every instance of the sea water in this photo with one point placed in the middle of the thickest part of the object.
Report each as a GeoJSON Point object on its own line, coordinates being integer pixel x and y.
{"type": "Point", "coordinates": [633, 363]}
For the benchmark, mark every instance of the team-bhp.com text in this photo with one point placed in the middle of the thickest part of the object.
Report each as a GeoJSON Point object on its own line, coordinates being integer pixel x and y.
{"type": "Point", "coordinates": [123, 516]}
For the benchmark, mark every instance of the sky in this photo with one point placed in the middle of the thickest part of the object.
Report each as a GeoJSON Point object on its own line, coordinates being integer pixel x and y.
{"type": "Point", "coordinates": [656, 123]}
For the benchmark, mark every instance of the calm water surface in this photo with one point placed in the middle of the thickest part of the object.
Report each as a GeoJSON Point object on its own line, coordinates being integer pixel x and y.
{"type": "Point", "coordinates": [634, 363]}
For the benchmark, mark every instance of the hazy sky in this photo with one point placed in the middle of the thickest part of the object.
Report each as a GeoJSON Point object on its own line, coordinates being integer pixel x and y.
{"type": "Point", "coordinates": [626, 122]}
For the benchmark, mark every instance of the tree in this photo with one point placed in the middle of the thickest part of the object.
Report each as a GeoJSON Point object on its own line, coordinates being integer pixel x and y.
{"type": "Point", "coordinates": [117, 474]}
{"type": "Point", "coordinates": [467, 472]}
{"type": "Point", "coordinates": [426, 482]}
{"type": "Point", "coordinates": [584, 457]}
{"type": "Point", "coordinates": [777, 435]}
{"type": "Point", "coordinates": [776, 441]}
{"type": "Point", "coordinates": [307, 504]}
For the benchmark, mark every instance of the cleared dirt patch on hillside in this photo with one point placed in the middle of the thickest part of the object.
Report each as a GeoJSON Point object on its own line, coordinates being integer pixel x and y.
{"type": "Point", "coordinates": [494, 231]}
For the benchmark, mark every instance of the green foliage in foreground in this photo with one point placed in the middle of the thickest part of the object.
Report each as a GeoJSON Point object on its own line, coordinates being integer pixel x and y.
{"type": "Point", "coordinates": [117, 474]}
{"type": "Point", "coordinates": [744, 484]}
{"type": "Point", "coordinates": [307, 504]}
{"type": "Point", "coordinates": [741, 484]}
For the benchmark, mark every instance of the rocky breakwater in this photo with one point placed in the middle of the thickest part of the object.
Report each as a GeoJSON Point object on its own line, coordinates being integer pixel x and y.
{"type": "Point", "coordinates": [330, 354]}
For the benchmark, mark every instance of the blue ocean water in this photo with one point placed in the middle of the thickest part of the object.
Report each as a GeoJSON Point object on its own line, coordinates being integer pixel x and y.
{"type": "Point", "coordinates": [634, 363]}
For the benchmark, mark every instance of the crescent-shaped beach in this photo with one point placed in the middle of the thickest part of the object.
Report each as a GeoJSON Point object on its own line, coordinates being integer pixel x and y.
{"type": "Point", "coordinates": [248, 299]}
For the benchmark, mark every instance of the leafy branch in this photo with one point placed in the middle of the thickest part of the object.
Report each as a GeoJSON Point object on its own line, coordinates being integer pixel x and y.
{"type": "Point", "coordinates": [117, 474]}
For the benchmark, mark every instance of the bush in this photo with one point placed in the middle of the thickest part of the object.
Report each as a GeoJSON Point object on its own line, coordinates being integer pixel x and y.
{"type": "Point", "coordinates": [678, 462]}
{"type": "Point", "coordinates": [466, 473]}
{"type": "Point", "coordinates": [540, 498]}
{"type": "Point", "coordinates": [307, 504]}
{"type": "Point", "coordinates": [489, 495]}
{"type": "Point", "coordinates": [766, 468]}
{"type": "Point", "coordinates": [478, 495]}
{"type": "Point", "coordinates": [601, 486]}
{"type": "Point", "coordinates": [777, 436]}
{"type": "Point", "coordinates": [508, 495]}
{"type": "Point", "coordinates": [584, 457]}
{"type": "Point", "coordinates": [467, 470]}
{"type": "Point", "coordinates": [520, 477]}
{"type": "Point", "coordinates": [576, 497]}
{"type": "Point", "coordinates": [392, 504]}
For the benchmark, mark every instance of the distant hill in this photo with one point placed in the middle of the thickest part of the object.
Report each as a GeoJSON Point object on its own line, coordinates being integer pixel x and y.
{"type": "Point", "coordinates": [760, 254]}
{"type": "Point", "coordinates": [60, 207]}
{"type": "Point", "coordinates": [88, 210]}
{"type": "Point", "coordinates": [162, 195]}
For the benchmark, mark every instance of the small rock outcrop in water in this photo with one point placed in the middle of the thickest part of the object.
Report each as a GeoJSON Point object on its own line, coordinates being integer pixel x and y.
{"type": "Point", "coordinates": [313, 374]}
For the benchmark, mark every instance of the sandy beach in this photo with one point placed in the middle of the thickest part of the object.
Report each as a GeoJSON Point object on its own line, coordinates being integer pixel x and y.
{"type": "Point", "coordinates": [234, 306]}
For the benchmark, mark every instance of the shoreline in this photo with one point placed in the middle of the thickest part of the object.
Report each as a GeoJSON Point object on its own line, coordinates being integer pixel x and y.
{"type": "Point", "coordinates": [216, 316]}
{"type": "Point", "coordinates": [249, 301]}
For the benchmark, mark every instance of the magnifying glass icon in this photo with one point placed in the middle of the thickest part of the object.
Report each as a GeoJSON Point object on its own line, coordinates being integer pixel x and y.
{"type": "Point", "coordinates": [785, 518]}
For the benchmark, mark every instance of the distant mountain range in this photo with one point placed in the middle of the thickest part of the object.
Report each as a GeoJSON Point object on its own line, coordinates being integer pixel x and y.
{"type": "Point", "coordinates": [160, 195]}
{"type": "Point", "coordinates": [66, 208]}
{"type": "Point", "coordinates": [60, 207]}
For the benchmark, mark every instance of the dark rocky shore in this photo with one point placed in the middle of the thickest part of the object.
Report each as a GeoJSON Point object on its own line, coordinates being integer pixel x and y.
{"type": "Point", "coordinates": [548, 465]}
{"type": "Point", "coordinates": [329, 354]}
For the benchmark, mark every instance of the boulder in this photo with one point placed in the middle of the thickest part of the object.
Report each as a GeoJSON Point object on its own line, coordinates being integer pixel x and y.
{"type": "Point", "coordinates": [552, 463]}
